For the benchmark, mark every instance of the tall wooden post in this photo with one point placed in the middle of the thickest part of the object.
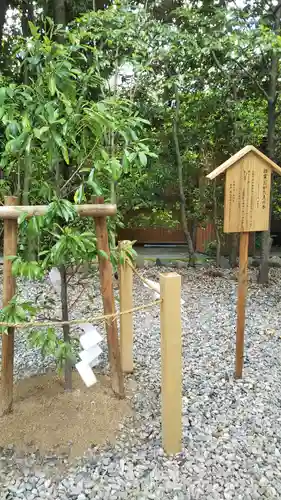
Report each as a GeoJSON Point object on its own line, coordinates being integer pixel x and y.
{"type": "Point", "coordinates": [126, 320]}
{"type": "Point", "coordinates": [9, 290]}
{"type": "Point", "coordinates": [171, 362]}
{"type": "Point", "coordinates": [241, 303]}
{"type": "Point", "coordinates": [105, 269]}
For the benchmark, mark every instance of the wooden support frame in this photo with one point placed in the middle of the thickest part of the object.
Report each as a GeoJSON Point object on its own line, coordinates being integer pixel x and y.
{"type": "Point", "coordinates": [93, 210]}
{"type": "Point", "coordinates": [126, 320]}
{"type": "Point", "coordinates": [105, 269]}
{"type": "Point", "coordinates": [10, 213]}
{"type": "Point", "coordinates": [171, 362]}
{"type": "Point", "coordinates": [9, 290]}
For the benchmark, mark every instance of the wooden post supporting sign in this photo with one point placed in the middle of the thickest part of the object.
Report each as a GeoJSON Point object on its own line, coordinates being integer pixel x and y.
{"type": "Point", "coordinates": [171, 362]}
{"type": "Point", "coordinates": [246, 209]}
{"type": "Point", "coordinates": [9, 290]}
{"type": "Point", "coordinates": [241, 302]}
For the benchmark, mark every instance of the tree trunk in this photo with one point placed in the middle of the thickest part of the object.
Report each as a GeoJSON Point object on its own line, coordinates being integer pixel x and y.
{"type": "Point", "coordinates": [194, 233]}
{"type": "Point", "coordinates": [184, 222]}
{"type": "Point", "coordinates": [32, 243]}
{"type": "Point", "coordinates": [27, 15]}
{"type": "Point", "coordinates": [266, 241]}
{"type": "Point", "coordinates": [26, 182]}
{"type": "Point", "coordinates": [59, 12]}
{"type": "Point", "coordinates": [217, 232]}
{"type": "Point", "coordinates": [66, 328]}
{"type": "Point", "coordinates": [60, 16]}
{"type": "Point", "coordinates": [265, 237]}
{"type": "Point", "coordinates": [3, 10]}
{"type": "Point", "coordinates": [64, 300]}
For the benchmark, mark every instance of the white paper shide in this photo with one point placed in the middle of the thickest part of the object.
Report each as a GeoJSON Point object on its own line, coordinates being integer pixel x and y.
{"type": "Point", "coordinates": [55, 279]}
{"type": "Point", "coordinates": [90, 355]}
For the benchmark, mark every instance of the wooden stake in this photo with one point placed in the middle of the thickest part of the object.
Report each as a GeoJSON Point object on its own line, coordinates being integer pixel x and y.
{"type": "Point", "coordinates": [9, 290]}
{"type": "Point", "coordinates": [241, 303]}
{"type": "Point", "coordinates": [126, 321]}
{"type": "Point", "coordinates": [105, 269]}
{"type": "Point", "coordinates": [171, 361]}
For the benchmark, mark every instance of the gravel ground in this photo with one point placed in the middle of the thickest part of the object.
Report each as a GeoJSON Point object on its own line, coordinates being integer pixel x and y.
{"type": "Point", "coordinates": [232, 431]}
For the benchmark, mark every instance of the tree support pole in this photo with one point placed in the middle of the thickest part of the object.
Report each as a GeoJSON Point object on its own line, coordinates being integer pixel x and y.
{"type": "Point", "coordinates": [9, 290]}
{"type": "Point", "coordinates": [106, 281]}
{"type": "Point", "coordinates": [126, 320]}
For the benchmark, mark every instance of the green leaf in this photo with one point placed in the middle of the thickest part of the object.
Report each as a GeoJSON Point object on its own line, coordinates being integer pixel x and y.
{"type": "Point", "coordinates": [57, 138]}
{"type": "Point", "coordinates": [65, 153]}
{"type": "Point", "coordinates": [52, 86]}
{"type": "Point", "coordinates": [103, 254]}
{"type": "Point", "coordinates": [33, 29]}
{"type": "Point", "coordinates": [93, 184]}
{"type": "Point", "coordinates": [143, 158]}
{"type": "Point", "coordinates": [23, 216]}
{"type": "Point", "coordinates": [2, 95]}
{"type": "Point", "coordinates": [115, 169]}
{"type": "Point", "coordinates": [134, 135]}
{"type": "Point", "coordinates": [97, 190]}
{"type": "Point", "coordinates": [104, 155]}
{"type": "Point", "coordinates": [38, 132]}
{"type": "Point", "coordinates": [79, 195]}
{"type": "Point", "coordinates": [125, 164]}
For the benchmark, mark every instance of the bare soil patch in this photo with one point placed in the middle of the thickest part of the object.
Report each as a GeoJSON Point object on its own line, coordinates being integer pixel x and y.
{"type": "Point", "coordinates": [47, 419]}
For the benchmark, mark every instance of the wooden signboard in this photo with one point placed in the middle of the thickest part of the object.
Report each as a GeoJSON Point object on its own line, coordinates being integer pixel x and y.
{"type": "Point", "coordinates": [246, 209]}
{"type": "Point", "coordinates": [247, 196]}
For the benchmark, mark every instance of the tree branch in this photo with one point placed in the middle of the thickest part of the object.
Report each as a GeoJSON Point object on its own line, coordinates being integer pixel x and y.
{"type": "Point", "coordinates": [278, 6]}
{"type": "Point", "coordinates": [254, 80]}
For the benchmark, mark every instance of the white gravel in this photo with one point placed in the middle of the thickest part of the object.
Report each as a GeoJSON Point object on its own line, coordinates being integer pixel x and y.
{"type": "Point", "coordinates": [232, 429]}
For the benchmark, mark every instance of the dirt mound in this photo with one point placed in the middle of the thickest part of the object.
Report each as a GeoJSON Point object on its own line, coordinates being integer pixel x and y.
{"type": "Point", "coordinates": [48, 419]}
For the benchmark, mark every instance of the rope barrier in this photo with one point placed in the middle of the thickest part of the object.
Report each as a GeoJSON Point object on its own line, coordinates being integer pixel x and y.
{"type": "Point", "coordinates": [144, 280]}
{"type": "Point", "coordinates": [99, 318]}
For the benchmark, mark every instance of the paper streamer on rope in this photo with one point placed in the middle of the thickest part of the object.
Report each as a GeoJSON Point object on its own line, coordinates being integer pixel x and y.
{"type": "Point", "coordinates": [91, 337]}
{"type": "Point", "coordinates": [55, 279]}
{"type": "Point", "coordinates": [156, 287]}
{"type": "Point", "coordinates": [86, 373]}
{"type": "Point", "coordinates": [90, 354]}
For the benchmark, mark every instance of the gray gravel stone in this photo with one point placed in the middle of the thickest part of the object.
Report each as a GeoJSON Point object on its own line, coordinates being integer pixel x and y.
{"type": "Point", "coordinates": [231, 429]}
{"type": "Point", "coordinates": [224, 263]}
{"type": "Point", "coordinates": [275, 261]}
{"type": "Point", "coordinates": [75, 491]}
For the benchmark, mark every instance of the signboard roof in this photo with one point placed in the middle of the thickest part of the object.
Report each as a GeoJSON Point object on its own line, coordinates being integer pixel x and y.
{"type": "Point", "coordinates": [238, 156]}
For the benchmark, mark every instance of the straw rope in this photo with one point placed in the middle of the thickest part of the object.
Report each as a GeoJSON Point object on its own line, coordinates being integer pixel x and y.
{"type": "Point", "coordinates": [102, 317]}
{"type": "Point", "coordinates": [144, 280]}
